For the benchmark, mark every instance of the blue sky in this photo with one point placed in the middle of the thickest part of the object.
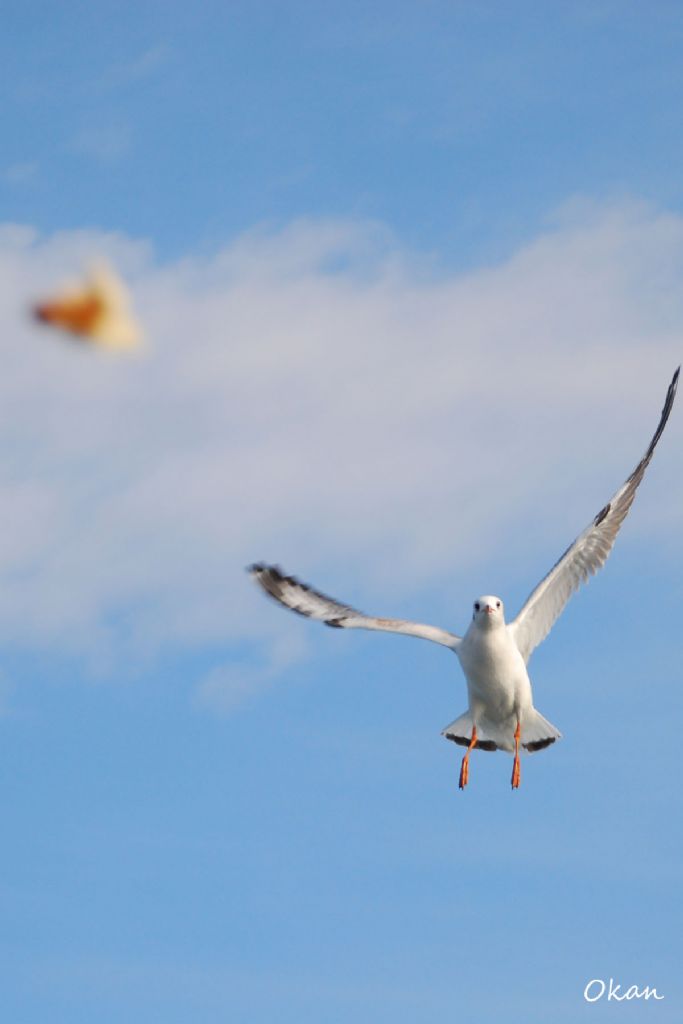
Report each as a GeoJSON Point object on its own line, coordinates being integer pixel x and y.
{"type": "Point", "coordinates": [411, 276]}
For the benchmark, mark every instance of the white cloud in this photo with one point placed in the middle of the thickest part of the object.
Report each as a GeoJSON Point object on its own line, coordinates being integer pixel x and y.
{"type": "Point", "coordinates": [228, 686]}
{"type": "Point", "coordinates": [320, 397]}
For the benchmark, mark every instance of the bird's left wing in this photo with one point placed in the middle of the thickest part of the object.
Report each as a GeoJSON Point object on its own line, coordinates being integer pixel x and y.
{"type": "Point", "coordinates": [305, 601]}
{"type": "Point", "coordinates": [586, 555]}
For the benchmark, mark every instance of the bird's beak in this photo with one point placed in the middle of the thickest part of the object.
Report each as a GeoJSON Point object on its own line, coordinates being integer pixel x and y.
{"type": "Point", "coordinates": [488, 609]}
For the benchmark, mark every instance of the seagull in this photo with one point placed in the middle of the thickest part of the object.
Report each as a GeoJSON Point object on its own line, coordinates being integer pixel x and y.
{"type": "Point", "coordinates": [493, 654]}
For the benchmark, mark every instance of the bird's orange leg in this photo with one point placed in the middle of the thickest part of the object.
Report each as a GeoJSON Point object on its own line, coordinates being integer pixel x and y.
{"type": "Point", "coordinates": [465, 766]}
{"type": "Point", "coordinates": [516, 770]}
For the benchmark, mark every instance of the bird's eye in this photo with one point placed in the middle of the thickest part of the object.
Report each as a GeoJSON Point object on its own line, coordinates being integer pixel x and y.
{"type": "Point", "coordinates": [476, 606]}
{"type": "Point", "coordinates": [497, 604]}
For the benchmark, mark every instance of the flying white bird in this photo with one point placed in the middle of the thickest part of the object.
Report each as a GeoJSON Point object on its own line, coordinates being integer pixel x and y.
{"type": "Point", "coordinates": [493, 655]}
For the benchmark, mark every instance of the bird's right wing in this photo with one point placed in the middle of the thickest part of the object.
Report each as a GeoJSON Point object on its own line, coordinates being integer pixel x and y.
{"type": "Point", "coordinates": [586, 555]}
{"type": "Point", "coordinates": [305, 601]}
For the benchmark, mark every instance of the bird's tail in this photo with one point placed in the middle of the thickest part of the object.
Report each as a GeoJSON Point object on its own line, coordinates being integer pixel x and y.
{"type": "Point", "coordinates": [537, 732]}
{"type": "Point", "coordinates": [460, 731]}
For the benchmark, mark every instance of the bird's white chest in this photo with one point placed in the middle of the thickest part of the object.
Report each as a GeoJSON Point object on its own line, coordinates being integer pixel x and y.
{"type": "Point", "coordinates": [494, 668]}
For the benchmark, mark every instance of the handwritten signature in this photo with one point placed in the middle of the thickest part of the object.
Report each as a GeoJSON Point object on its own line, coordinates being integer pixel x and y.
{"type": "Point", "coordinates": [596, 989]}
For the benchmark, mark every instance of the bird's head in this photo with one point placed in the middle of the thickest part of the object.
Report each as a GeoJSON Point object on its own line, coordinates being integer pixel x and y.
{"type": "Point", "coordinates": [488, 612]}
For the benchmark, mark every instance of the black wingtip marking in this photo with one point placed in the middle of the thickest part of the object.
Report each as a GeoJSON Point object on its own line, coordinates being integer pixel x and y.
{"type": "Point", "coordinates": [668, 406]}
{"type": "Point", "coordinates": [272, 571]}
{"type": "Point", "coordinates": [666, 411]}
{"type": "Point", "coordinates": [284, 590]}
{"type": "Point", "coordinates": [274, 574]}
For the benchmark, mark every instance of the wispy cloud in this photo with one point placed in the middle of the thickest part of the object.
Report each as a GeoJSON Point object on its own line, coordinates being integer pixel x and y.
{"type": "Point", "coordinates": [141, 67]}
{"type": "Point", "coordinates": [6, 691]}
{"type": "Point", "coordinates": [106, 143]}
{"type": "Point", "coordinates": [24, 172]}
{"type": "Point", "coordinates": [317, 396]}
{"type": "Point", "coordinates": [228, 687]}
